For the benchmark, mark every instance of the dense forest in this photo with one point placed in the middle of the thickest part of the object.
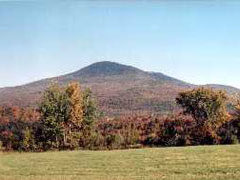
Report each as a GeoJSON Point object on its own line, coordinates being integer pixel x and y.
{"type": "Point", "coordinates": [68, 118]}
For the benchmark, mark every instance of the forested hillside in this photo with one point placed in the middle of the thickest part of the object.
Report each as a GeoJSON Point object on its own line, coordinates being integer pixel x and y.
{"type": "Point", "coordinates": [119, 89]}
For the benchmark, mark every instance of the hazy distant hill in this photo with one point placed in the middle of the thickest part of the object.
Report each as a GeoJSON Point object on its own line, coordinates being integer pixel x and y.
{"type": "Point", "coordinates": [229, 89]}
{"type": "Point", "coordinates": [119, 89]}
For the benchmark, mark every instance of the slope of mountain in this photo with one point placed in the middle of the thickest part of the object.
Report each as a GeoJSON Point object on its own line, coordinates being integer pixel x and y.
{"type": "Point", "coordinates": [119, 89]}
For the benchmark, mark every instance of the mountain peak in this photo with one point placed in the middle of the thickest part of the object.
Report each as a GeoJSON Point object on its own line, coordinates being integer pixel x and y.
{"type": "Point", "coordinates": [106, 68]}
{"type": "Point", "coordinates": [119, 89]}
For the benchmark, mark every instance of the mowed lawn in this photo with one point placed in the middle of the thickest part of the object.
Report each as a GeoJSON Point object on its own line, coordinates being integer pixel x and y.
{"type": "Point", "coordinates": [187, 163]}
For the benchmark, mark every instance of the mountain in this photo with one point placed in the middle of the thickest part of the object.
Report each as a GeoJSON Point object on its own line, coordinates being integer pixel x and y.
{"type": "Point", "coordinates": [229, 89]}
{"type": "Point", "coordinates": [119, 89]}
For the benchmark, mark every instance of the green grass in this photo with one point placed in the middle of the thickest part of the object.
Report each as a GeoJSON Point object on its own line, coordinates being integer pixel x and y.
{"type": "Point", "coordinates": [188, 163]}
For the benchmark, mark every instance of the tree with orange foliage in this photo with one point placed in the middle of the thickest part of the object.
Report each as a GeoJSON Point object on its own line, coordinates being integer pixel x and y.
{"type": "Point", "coordinates": [74, 121]}
{"type": "Point", "coordinates": [75, 100]}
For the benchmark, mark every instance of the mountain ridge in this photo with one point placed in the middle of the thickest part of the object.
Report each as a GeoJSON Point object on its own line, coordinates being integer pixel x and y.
{"type": "Point", "coordinates": [119, 89]}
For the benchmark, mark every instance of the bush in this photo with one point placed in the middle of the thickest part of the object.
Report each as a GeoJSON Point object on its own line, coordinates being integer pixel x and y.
{"type": "Point", "coordinates": [230, 132]}
{"type": "Point", "coordinates": [174, 130]}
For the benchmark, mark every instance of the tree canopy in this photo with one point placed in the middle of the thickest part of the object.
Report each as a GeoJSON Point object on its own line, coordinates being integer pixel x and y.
{"type": "Point", "coordinates": [204, 105]}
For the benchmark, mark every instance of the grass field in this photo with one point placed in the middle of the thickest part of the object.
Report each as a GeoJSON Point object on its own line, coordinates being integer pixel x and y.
{"type": "Point", "coordinates": [188, 163]}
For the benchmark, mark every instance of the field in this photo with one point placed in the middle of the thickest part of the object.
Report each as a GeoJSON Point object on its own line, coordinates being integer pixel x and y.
{"type": "Point", "coordinates": [205, 162]}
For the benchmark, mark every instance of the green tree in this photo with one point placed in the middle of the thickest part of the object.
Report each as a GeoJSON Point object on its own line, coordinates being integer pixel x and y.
{"type": "Point", "coordinates": [67, 117]}
{"type": "Point", "coordinates": [90, 115]}
{"type": "Point", "coordinates": [54, 114]}
{"type": "Point", "coordinates": [90, 110]}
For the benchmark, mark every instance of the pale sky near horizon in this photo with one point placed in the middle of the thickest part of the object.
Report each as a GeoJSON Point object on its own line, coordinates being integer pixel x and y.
{"type": "Point", "coordinates": [195, 41]}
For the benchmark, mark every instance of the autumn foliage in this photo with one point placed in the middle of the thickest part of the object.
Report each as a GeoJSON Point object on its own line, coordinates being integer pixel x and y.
{"type": "Point", "coordinates": [68, 118]}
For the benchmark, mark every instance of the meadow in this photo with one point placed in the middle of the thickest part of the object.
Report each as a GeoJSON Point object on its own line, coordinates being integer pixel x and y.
{"type": "Point", "coordinates": [181, 163]}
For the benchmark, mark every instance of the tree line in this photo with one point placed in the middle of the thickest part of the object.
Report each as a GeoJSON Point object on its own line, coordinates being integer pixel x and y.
{"type": "Point", "coordinates": [67, 118]}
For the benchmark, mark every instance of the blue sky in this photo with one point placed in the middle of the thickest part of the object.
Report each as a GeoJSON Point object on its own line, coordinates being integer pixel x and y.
{"type": "Point", "coordinates": [196, 41]}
